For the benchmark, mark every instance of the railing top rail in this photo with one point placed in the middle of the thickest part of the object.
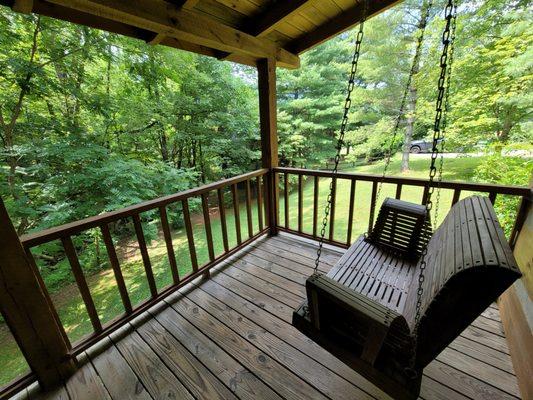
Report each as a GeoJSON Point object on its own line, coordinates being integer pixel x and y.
{"type": "Point", "coordinates": [482, 187]}
{"type": "Point", "coordinates": [72, 228]}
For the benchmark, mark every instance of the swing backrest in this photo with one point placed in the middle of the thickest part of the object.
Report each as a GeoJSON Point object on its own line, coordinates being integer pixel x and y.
{"type": "Point", "coordinates": [469, 264]}
{"type": "Point", "coordinates": [402, 228]}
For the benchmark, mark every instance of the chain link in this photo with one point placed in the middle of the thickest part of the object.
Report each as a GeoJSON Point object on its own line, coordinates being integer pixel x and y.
{"type": "Point", "coordinates": [412, 72]}
{"type": "Point", "coordinates": [438, 129]}
{"type": "Point", "coordinates": [446, 110]}
{"type": "Point", "coordinates": [340, 140]}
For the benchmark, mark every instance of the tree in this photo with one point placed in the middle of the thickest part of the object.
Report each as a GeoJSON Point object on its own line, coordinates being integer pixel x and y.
{"type": "Point", "coordinates": [412, 84]}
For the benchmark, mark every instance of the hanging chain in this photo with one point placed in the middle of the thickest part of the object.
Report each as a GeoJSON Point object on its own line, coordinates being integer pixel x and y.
{"type": "Point", "coordinates": [340, 140]}
{"type": "Point", "coordinates": [446, 109]}
{"type": "Point", "coordinates": [416, 59]}
{"type": "Point", "coordinates": [437, 135]}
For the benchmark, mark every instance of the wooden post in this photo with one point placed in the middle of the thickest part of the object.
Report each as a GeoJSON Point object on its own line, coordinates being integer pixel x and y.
{"type": "Point", "coordinates": [266, 71]}
{"type": "Point", "coordinates": [28, 310]}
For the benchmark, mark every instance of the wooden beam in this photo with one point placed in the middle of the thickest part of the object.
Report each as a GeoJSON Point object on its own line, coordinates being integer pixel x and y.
{"type": "Point", "coordinates": [265, 22]}
{"type": "Point", "coordinates": [268, 20]}
{"type": "Point", "coordinates": [189, 4]}
{"type": "Point", "coordinates": [162, 17]}
{"type": "Point", "coordinates": [158, 38]}
{"type": "Point", "coordinates": [80, 18]}
{"type": "Point", "coordinates": [337, 25]}
{"type": "Point", "coordinates": [513, 305]}
{"type": "Point", "coordinates": [23, 6]}
{"type": "Point", "coordinates": [28, 310]}
{"type": "Point", "coordinates": [266, 71]}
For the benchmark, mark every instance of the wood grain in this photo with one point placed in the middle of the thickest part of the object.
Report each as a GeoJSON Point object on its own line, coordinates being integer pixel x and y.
{"type": "Point", "coordinates": [159, 381]}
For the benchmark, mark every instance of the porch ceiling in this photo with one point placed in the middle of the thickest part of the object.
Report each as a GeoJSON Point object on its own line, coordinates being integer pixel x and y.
{"type": "Point", "coordinates": [242, 31]}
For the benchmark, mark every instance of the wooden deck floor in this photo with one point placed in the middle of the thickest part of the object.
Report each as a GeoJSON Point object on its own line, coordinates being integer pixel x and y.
{"type": "Point", "coordinates": [230, 338]}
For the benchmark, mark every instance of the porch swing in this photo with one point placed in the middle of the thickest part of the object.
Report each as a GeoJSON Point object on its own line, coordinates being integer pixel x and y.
{"type": "Point", "coordinates": [402, 293]}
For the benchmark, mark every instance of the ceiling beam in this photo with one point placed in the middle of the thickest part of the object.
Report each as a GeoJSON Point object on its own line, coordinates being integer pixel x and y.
{"type": "Point", "coordinates": [156, 39]}
{"type": "Point", "coordinates": [161, 17]}
{"type": "Point", "coordinates": [80, 18]}
{"type": "Point", "coordinates": [186, 4]}
{"type": "Point", "coordinates": [268, 20]}
{"type": "Point", "coordinates": [22, 6]}
{"type": "Point", "coordinates": [189, 4]}
{"type": "Point", "coordinates": [337, 25]}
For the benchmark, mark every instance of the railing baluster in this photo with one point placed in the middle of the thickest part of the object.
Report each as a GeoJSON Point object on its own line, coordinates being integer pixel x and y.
{"type": "Point", "coordinates": [70, 251]}
{"type": "Point", "coordinates": [249, 209]}
{"type": "Point", "coordinates": [222, 211]}
{"type": "Point", "coordinates": [113, 259]}
{"type": "Point", "coordinates": [275, 184]}
{"type": "Point", "coordinates": [425, 195]}
{"type": "Point", "coordinates": [456, 196]}
{"type": "Point", "coordinates": [259, 203]}
{"type": "Point", "coordinates": [300, 203]}
{"type": "Point", "coordinates": [286, 197]}
{"type": "Point", "coordinates": [521, 216]}
{"type": "Point", "coordinates": [332, 211]}
{"type": "Point", "coordinates": [315, 204]}
{"type": "Point", "coordinates": [399, 191]}
{"type": "Point", "coordinates": [492, 197]}
{"type": "Point", "coordinates": [236, 211]}
{"type": "Point", "coordinates": [144, 253]}
{"type": "Point", "coordinates": [33, 264]}
{"type": "Point", "coordinates": [170, 248]}
{"type": "Point", "coordinates": [350, 212]}
{"type": "Point", "coordinates": [190, 235]}
{"type": "Point", "coordinates": [372, 207]}
{"type": "Point", "coordinates": [207, 226]}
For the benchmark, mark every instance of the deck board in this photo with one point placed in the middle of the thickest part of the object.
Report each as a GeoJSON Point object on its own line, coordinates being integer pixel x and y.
{"type": "Point", "coordinates": [230, 337]}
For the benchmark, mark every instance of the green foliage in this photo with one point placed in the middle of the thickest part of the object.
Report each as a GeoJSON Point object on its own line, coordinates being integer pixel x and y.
{"type": "Point", "coordinates": [506, 170]}
{"type": "Point", "coordinates": [371, 142]}
{"type": "Point", "coordinates": [92, 122]}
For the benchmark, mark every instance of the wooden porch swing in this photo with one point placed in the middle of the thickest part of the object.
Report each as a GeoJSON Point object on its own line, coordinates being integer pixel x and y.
{"type": "Point", "coordinates": [401, 294]}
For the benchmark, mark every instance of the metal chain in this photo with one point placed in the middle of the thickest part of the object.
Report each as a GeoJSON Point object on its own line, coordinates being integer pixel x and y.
{"type": "Point", "coordinates": [446, 109]}
{"type": "Point", "coordinates": [416, 59]}
{"type": "Point", "coordinates": [437, 135]}
{"type": "Point", "coordinates": [340, 140]}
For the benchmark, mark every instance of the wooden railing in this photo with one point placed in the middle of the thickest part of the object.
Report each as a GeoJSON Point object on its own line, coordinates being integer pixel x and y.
{"type": "Point", "coordinates": [66, 232]}
{"type": "Point", "coordinates": [262, 180]}
{"type": "Point", "coordinates": [303, 177]}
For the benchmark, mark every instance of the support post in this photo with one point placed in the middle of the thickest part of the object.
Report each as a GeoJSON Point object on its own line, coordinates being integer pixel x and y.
{"type": "Point", "coordinates": [28, 310]}
{"type": "Point", "coordinates": [266, 70]}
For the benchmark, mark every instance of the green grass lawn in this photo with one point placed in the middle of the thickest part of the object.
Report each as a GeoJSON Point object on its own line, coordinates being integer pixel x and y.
{"type": "Point", "coordinates": [458, 169]}
{"type": "Point", "coordinates": [72, 311]}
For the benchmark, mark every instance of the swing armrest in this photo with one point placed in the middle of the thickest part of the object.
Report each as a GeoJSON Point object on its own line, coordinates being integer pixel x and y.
{"type": "Point", "coordinates": [401, 227]}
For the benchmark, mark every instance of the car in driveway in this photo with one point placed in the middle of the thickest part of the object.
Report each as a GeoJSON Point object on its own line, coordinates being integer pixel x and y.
{"type": "Point", "coordinates": [422, 146]}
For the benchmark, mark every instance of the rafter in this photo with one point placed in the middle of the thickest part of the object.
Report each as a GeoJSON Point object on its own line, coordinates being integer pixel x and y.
{"type": "Point", "coordinates": [189, 4]}
{"type": "Point", "coordinates": [337, 25]}
{"type": "Point", "coordinates": [66, 14]}
{"type": "Point", "coordinates": [267, 21]}
{"type": "Point", "coordinates": [23, 6]}
{"type": "Point", "coordinates": [162, 17]}
{"type": "Point", "coordinates": [158, 38]}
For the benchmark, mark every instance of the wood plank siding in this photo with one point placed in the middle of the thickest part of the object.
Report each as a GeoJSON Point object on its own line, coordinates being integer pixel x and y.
{"type": "Point", "coordinates": [230, 337]}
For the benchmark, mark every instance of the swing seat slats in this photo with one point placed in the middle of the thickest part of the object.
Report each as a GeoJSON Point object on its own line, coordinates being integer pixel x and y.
{"type": "Point", "coordinates": [363, 310]}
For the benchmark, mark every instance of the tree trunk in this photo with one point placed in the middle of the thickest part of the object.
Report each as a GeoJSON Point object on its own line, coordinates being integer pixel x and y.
{"type": "Point", "coordinates": [412, 95]}
{"type": "Point", "coordinates": [163, 144]}
{"type": "Point", "coordinates": [409, 129]}
{"type": "Point", "coordinates": [8, 125]}
{"type": "Point", "coordinates": [202, 164]}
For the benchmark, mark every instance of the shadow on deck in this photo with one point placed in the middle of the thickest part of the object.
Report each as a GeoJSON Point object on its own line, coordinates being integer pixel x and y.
{"type": "Point", "coordinates": [230, 337]}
